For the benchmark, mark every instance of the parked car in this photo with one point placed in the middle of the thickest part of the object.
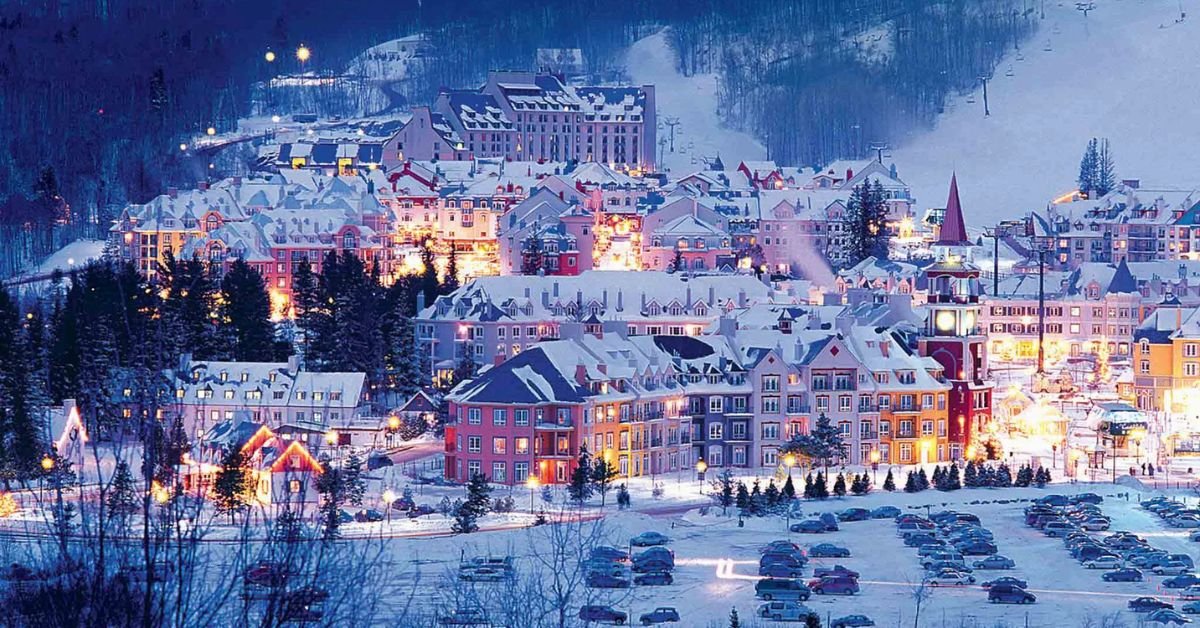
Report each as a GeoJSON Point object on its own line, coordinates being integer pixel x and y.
{"type": "Point", "coordinates": [950, 579]}
{"type": "Point", "coordinates": [461, 617]}
{"type": "Point", "coordinates": [1182, 558]}
{"type": "Point", "coordinates": [596, 566]}
{"type": "Point", "coordinates": [1053, 500]}
{"type": "Point", "coordinates": [1087, 498]}
{"type": "Point", "coordinates": [421, 511]}
{"type": "Point", "coordinates": [919, 539]}
{"type": "Point", "coordinates": [834, 585]}
{"type": "Point", "coordinates": [609, 553]}
{"type": "Point", "coordinates": [836, 570]}
{"type": "Point", "coordinates": [596, 612]}
{"type": "Point", "coordinates": [1146, 604]}
{"type": "Point", "coordinates": [780, 589]}
{"type": "Point", "coordinates": [854, 514]}
{"type": "Point", "coordinates": [655, 553]}
{"type": "Point", "coordinates": [1128, 574]}
{"type": "Point", "coordinates": [977, 548]}
{"type": "Point", "coordinates": [1104, 562]}
{"type": "Point", "coordinates": [652, 565]}
{"type": "Point", "coordinates": [654, 578]}
{"type": "Point", "coordinates": [780, 546]}
{"type": "Point", "coordinates": [1184, 521]}
{"type": "Point", "coordinates": [1194, 536]}
{"type": "Point", "coordinates": [1191, 592]}
{"type": "Point", "coordinates": [1006, 581]}
{"type": "Point", "coordinates": [830, 521]}
{"type": "Point", "coordinates": [1168, 616]}
{"type": "Point", "coordinates": [265, 574]}
{"type": "Point", "coordinates": [1191, 608]}
{"type": "Point", "coordinates": [483, 574]}
{"type": "Point", "coordinates": [828, 550]}
{"type": "Point", "coordinates": [784, 611]}
{"type": "Point", "coordinates": [1171, 569]}
{"type": "Point", "coordinates": [1095, 525]}
{"type": "Point", "coordinates": [851, 621]}
{"type": "Point", "coordinates": [791, 557]}
{"type": "Point", "coordinates": [995, 561]}
{"type": "Point", "coordinates": [1182, 581]}
{"type": "Point", "coordinates": [885, 512]}
{"type": "Point", "coordinates": [780, 570]}
{"type": "Point", "coordinates": [649, 539]}
{"type": "Point", "coordinates": [606, 581]}
{"type": "Point", "coordinates": [368, 515]}
{"type": "Point", "coordinates": [942, 565]}
{"type": "Point", "coordinates": [1009, 594]}
{"type": "Point", "coordinates": [809, 526]}
{"type": "Point", "coordinates": [660, 615]}
{"type": "Point", "coordinates": [933, 548]}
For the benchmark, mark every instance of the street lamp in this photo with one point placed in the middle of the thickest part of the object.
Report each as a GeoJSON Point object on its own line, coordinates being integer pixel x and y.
{"type": "Point", "coordinates": [874, 466]}
{"type": "Point", "coordinates": [533, 483]}
{"type": "Point", "coordinates": [47, 463]}
{"type": "Point", "coordinates": [270, 56]}
{"type": "Point", "coordinates": [212, 130]}
{"type": "Point", "coordinates": [701, 467]}
{"type": "Point", "coordinates": [388, 498]}
{"type": "Point", "coordinates": [303, 53]}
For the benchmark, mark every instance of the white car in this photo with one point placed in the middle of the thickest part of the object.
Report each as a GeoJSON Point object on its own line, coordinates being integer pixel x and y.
{"type": "Point", "coordinates": [1190, 593]}
{"type": "Point", "coordinates": [1104, 562]}
{"type": "Point", "coordinates": [1171, 569]}
{"type": "Point", "coordinates": [784, 611]}
{"type": "Point", "coordinates": [950, 579]}
{"type": "Point", "coordinates": [1095, 525]}
{"type": "Point", "coordinates": [1184, 522]}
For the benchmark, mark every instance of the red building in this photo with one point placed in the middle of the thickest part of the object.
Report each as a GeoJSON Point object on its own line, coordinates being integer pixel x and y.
{"type": "Point", "coordinates": [953, 335]}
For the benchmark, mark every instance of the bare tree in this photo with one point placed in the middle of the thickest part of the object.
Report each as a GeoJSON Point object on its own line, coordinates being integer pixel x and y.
{"type": "Point", "coordinates": [920, 593]}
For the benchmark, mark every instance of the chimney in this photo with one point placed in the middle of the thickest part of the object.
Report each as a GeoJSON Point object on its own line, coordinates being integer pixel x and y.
{"type": "Point", "coordinates": [526, 292]}
{"type": "Point", "coordinates": [203, 185]}
{"type": "Point", "coordinates": [849, 174]}
{"type": "Point", "coordinates": [884, 346]}
{"type": "Point", "coordinates": [173, 192]}
{"type": "Point", "coordinates": [643, 301]}
{"type": "Point", "coordinates": [726, 326]}
{"type": "Point", "coordinates": [741, 298]}
{"type": "Point", "coordinates": [570, 331]}
{"type": "Point", "coordinates": [545, 299]}
{"type": "Point", "coordinates": [712, 296]}
{"type": "Point", "coordinates": [604, 298]}
{"type": "Point", "coordinates": [556, 290]}
{"type": "Point", "coordinates": [293, 364]}
{"type": "Point", "coordinates": [620, 300]}
{"type": "Point", "coordinates": [688, 302]}
{"type": "Point", "coordinates": [237, 182]}
{"type": "Point", "coordinates": [420, 301]}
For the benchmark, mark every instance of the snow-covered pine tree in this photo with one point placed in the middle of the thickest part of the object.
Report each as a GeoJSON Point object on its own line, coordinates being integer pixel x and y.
{"type": "Point", "coordinates": [953, 483]}
{"type": "Point", "coordinates": [742, 497]}
{"type": "Point", "coordinates": [810, 489]}
{"type": "Point", "coordinates": [580, 486]}
{"type": "Point", "coordinates": [839, 486]}
{"type": "Point", "coordinates": [771, 495]}
{"type": "Point", "coordinates": [1088, 165]}
{"type": "Point", "coordinates": [758, 504]}
{"type": "Point", "coordinates": [971, 475]}
{"type": "Point", "coordinates": [889, 482]}
{"type": "Point", "coordinates": [1106, 169]}
{"type": "Point", "coordinates": [911, 484]}
{"type": "Point", "coordinates": [821, 486]}
{"type": "Point", "coordinates": [922, 479]}
{"type": "Point", "coordinates": [623, 500]}
{"type": "Point", "coordinates": [1003, 476]}
{"type": "Point", "coordinates": [789, 489]}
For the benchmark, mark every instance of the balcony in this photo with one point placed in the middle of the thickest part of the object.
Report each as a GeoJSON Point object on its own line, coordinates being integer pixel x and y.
{"type": "Point", "coordinates": [906, 434]}
{"type": "Point", "coordinates": [801, 409]}
{"type": "Point", "coordinates": [564, 424]}
{"type": "Point", "coordinates": [868, 435]}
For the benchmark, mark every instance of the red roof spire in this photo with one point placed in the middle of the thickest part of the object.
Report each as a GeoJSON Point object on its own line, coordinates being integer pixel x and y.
{"type": "Point", "coordinates": [954, 228]}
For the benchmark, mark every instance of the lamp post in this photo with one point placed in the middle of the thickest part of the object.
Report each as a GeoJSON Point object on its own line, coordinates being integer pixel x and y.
{"type": "Point", "coordinates": [701, 467]}
{"type": "Point", "coordinates": [874, 466]}
{"type": "Point", "coordinates": [789, 461]}
{"type": "Point", "coordinates": [533, 484]}
{"type": "Point", "coordinates": [388, 498]}
{"type": "Point", "coordinates": [393, 427]}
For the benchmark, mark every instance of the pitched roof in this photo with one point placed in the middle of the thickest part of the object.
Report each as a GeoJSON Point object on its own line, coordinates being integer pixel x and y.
{"type": "Point", "coordinates": [954, 228]}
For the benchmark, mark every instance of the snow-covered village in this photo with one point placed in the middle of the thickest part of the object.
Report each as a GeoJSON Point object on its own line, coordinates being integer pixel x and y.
{"type": "Point", "coordinates": [562, 313]}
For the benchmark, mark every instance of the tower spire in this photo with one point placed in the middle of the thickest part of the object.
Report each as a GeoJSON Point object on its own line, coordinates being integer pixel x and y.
{"type": "Point", "coordinates": [954, 228]}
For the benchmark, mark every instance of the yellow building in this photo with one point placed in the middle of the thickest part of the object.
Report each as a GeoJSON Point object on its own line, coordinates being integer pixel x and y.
{"type": "Point", "coordinates": [1167, 360]}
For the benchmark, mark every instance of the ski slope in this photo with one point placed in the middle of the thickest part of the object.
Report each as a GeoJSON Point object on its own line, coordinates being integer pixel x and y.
{"type": "Point", "coordinates": [692, 100]}
{"type": "Point", "coordinates": [1127, 71]}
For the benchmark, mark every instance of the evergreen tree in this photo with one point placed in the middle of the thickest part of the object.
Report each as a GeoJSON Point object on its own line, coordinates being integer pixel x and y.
{"type": "Point", "coordinates": [352, 477]}
{"type": "Point", "coordinates": [810, 489]}
{"type": "Point", "coordinates": [910, 484]}
{"type": "Point", "coordinates": [428, 283]}
{"type": "Point", "coordinates": [723, 488]}
{"type": "Point", "coordinates": [822, 486]}
{"type": "Point", "coordinates": [824, 443]}
{"type": "Point", "coordinates": [623, 500]}
{"type": "Point", "coordinates": [1003, 477]}
{"type": "Point", "coordinates": [839, 486]}
{"type": "Point", "coordinates": [467, 513]}
{"type": "Point", "coordinates": [953, 483]}
{"type": "Point", "coordinates": [987, 475]}
{"type": "Point", "coordinates": [922, 479]}
{"type": "Point", "coordinates": [20, 446]}
{"type": "Point", "coordinates": [122, 493]}
{"type": "Point", "coordinates": [866, 215]}
{"type": "Point", "coordinates": [603, 474]}
{"type": "Point", "coordinates": [789, 489]}
{"type": "Point", "coordinates": [1042, 477]}
{"type": "Point", "coordinates": [677, 263]}
{"type": "Point", "coordinates": [742, 497]}
{"type": "Point", "coordinates": [734, 622]}
{"type": "Point", "coordinates": [939, 478]}
{"type": "Point", "coordinates": [312, 316]}
{"type": "Point", "coordinates": [331, 488]}
{"type": "Point", "coordinates": [889, 482]}
{"type": "Point", "coordinates": [450, 280]}
{"type": "Point", "coordinates": [971, 475]}
{"type": "Point", "coordinates": [1088, 169]}
{"type": "Point", "coordinates": [230, 487]}
{"type": "Point", "coordinates": [771, 495]}
{"type": "Point", "coordinates": [1106, 169]}
{"type": "Point", "coordinates": [533, 255]}
{"type": "Point", "coordinates": [247, 314]}
{"type": "Point", "coordinates": [758, 504]}
{"type": "Point", "coordinates": [580, 486]}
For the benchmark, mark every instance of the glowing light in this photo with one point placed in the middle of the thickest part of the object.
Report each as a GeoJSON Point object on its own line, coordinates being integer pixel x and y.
{"type": "Point", "coordinates": [275, 119]}
{"type": "Point", "coordinates": [701, 466]}
{"type": "Point", "coordinates": [944, 320]}
{"type": "Point", "coordinates": [789, 460]}
{"type": "Point", "coordinates": [47, 464]}
{"type": "Point", "coordinates": [874, 456]}
{"type": "Point", "coordinates": [331, 437]}
{"type": "Point", "coordinates": [393, 422]}
{"type": "Point", "coordinates": [303, 54]}
{"type": "Point", "coordinates": [159, 493]}
{"type": "Point", "coordinates": [211, 130]}
{"type": "Point", "coordinates": [532, 482]}
{"type": "Point", "coordinates": [389, 497]}
{"type": "Point", "coordinates": [183, 147]}
{"type": "Point", "coordinates": [1069, 196]}
{"type": "Point", "coordinates": [270, 56]}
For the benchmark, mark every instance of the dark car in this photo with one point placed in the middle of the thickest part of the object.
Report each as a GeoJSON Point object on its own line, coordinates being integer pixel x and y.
{"type": "Point", "coordinates": [1008, 594]}
{"type": "Point", "coordinates": [606, 581]}
{"type": "Point", "coordinates": [917, 540]}
{"type": "Point", "coordinates": [828, 550]}
{"type": "Point", "coordinates": [652, 565]}
{"type": "Point", "coordinates": [780, 570]}
{"type": "Point", "coordinates": [1006, 581]}
{"type": "Point", "coordinates": [1087, 498]}
{"type": "Point", "coordinates": [811, 526]}
{"type": "Point", "coordinates": [1053, 500]}
{"type": "Point", "coordinates": [265, 574]}
{"type": "Point", "coordinates": [790, 559]}
{"type": "Point", "coordinates": [595, 612]}
{"type": "Point", "coordinates": [834, 585]}
{"type": "Point", "coordinates": [976, 548]}
{"type": "Point", "coordinates": [852, 621]}
{"type": "Point", "coordinates": [781, 589]}
{"type": "Point", "coordinates": [1181, 581]}
{"type": "Point", "coordinates": [656, 553]}
{"type": "Point", "coordinates": [421, 511]}
{"type": "Point", "coordinates": [830, 521]}
{"type": "Point", "coordinates": [836, 570]}
{"type": "Point", "coordinates": [1147, 604]}
{"type": "Point", "coordinates": [660, 615]}
{"type": "Point", "coordinates": [1128, 574]}
{"type": "Point", "coordinates": [854, 514]}
{"type": "Point", "coordinates": [885, 512]}
{"type": "Point", "coordinates": [609, 553]}
{"type": "Point", "coordinates": [655, 578]}
{"type": "Point", "coordinates": [378, 461]}
{"type": "Point", "coordinates": [367, 515]}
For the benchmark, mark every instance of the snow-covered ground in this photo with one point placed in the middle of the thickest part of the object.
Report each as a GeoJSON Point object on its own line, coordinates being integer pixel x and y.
{"type": "Point", "coordinates": [692, 100]}
{"type": "Point", "coordinates": [1123, 72]}
{"type": "Point", "coordinates": [70, 257]}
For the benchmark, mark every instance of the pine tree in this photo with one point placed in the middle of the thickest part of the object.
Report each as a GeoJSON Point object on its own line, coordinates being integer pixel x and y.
{"type": "Point", "coordinates": [911, 485]}
{"type": "Point", "coordinates": [922, 479]}
{"type": "Point", "coordinates": [246, 314]}
{"type": "Point", "coordinates": [839, 486]}
{"type": "Point", "coordinates": [772, 495]}
{"type": "Point", "coordinates": [312, 316]}
{"type": "Point", "coordinates": [987, 476]}
{"type": "Point", "coordinates": [742, 497]}
{"type": "Point", "coordinates": [757, 503]}
{"type": "Point", "coordinates": [331, 488]}
{"type": "Point", "coordinates": [450, 280]}
{"type": "Point", "coordinates": [723, 488]}
{"type": "Point", "coordinates": [889, 483]}
{"type": "Point", "coordinates": [429, 276]}
{"type": "Point", "coordinates": [953, 483]}
{"type": "Point", "coordinates": [1088, 169]}
{"type": "Point", "coordinates": [1106, 169]}
{"type": "Point", "coordinates": [230, 487]}
{"type": "Point", "coordinates": [533, 256]}
{"type": "Point", "coordinates": [789, 489]}
{"type": "Point", "coordinates": [939, 477]}
{"type": "Point", "coordinates": [580, 486]}
{"type": "Point", "coordinates": [821, 486]}
{"type": "Point", "coordinates": [352, 478]}
{"type": "Point", "coordinates": [824, 443]}
{"type": "Point", "coordinates": [623, 500]}
{"type": "Point", "coordinates": [603, 474]}
{"type": "Point", "coordinates": [971, 475]}
{"type": "Point", "coordinates": [1041, 477]}
{"type": "Point", "coordinates": [20, 446]}
{"type": "Point", "coordinates": [1003, 477]}
{"type": "Point", "coordinates": [734, 622]}
{"type": "Point", "coordinates": [677, 263]}
{"type": "Point", "coordinates": [122, 493]}
{"type": "Point", "coordinates": [468, 512]}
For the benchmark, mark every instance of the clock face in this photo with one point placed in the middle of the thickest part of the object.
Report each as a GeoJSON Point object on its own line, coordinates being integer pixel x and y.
{"type": "Point", "coordinates": [944, 320]}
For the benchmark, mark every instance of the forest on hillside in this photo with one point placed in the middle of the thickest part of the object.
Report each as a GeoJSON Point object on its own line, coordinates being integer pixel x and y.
{"type": "Point", "coordinates": [97, 95]}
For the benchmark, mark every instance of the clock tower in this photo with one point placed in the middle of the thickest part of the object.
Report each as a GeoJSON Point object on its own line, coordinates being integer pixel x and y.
{"type": "Point", "coordinates": [952, 334]}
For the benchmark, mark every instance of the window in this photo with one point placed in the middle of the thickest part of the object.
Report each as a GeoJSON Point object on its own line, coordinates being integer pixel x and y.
{"type": "Point", "coordinates": [473, 467]}
{"type": "Point", "coordinates": [770, 405]}
{"type": "Point", "coordinates": [905, 452]}
{"type": "Point", "coordinates": [906, 429]}
{"type": "Point", "coordinates": [499, 445]}
{"type": "Point", "coordinates": [716, 404]}
{"type": "Point", "coordinates": [1145, 366]}
{"type": "Point", "coordinates": [499, 416]}
{"type": "Point", "coordinates": [739, 456]}
{"type": "Point", "coordinates": [885, 402]}
{"type": "Point", "coordinates": [521, 445]}
{"type": "Point", "coordinates": [822, 403]}
{"type": "Point", "coordinates": [498, 474]}
{"type": "Point", "coordinates": [474, 444]}
{"type": "Point", "coordinates": [715, 430]}
{"type": "Point", "coordinates": [1189, 369]}
{"type": "Point", "coordinates": [1189, 350]}
{"type": "Point", "coordinates": [844, 403]}
{"type": "Point", "coordinates": [927, 401]}
{"type": "Point", "coordinates": [770, 383]}
{"type": "Point", "coordinates": [738, 430]}
{"type": "Point", "coordinates": [885, 428]}
{"type": "Point", "coordinates": [770, 457]}
{"type": "Point", "coordinates": [770, 431]}
{"type": "Point", "coordinates": [520, 472]}
{"type": "Point", "coordinates": [474, 416]}
{"type": "Point", "coordinates": [294, 486]}
{"type": "Point", "coordinates": [715, 457]}
{"type": "Point", "coordinates": [926, 428]}
{"type": "Point", "coordinates": [521, 417]}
